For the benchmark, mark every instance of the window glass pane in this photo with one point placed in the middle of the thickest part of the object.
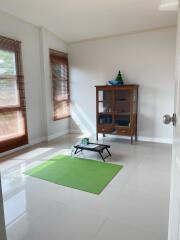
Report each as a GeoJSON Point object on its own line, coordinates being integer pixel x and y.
{"type": "Point", "coordinates": [56, 70]}
{"type": "Point", "coordinates": [61, 109]}
{"type": "Point", "coordinates": [60, 90]}
{"type": "Point", "coordinates": [105, 101]}
{"type": "Point", "coordinates": [64, 74]}
{"type": "Point", "coordinates": [11, 125]}
{"type": "Point", "coordinates": [60, 71]}
{"type": "Point", "coordinates": [13, 132]}
{"type": "Point", "coordinates": [105, 95]}
{"type": "Point", "coordinates": [7, 63]}
{"type": "Point", "coordinates": [105, 119]}
{"type": "Point", "coordinates": [8, 93]}
{"type": "Point", "coordinates": [60, 84]}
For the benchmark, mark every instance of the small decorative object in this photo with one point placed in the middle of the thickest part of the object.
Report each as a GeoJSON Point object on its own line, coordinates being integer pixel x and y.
{"type": "Point", "coordinates": [114, 82]}
{"type": "Point", "coordinates": [118, 80]}
{"type": "Point", "coordinates": [85, 141]}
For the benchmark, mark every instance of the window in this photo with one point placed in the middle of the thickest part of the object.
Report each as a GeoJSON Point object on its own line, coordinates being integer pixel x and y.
{"type": "Point", "coordinates": [13, 129]}
{"type": "Point", "coordinates": [60, 84]}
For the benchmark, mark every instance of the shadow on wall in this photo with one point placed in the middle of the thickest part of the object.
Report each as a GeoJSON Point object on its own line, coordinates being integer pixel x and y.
{"type": "Point", "coordinates": [81, 122]}
{"type": "Point", "coordinates": [145, 126]}
{"type": "Point", "coordinates": [148, 115]}
{"type": "Point", "coordinates": [148, 111]}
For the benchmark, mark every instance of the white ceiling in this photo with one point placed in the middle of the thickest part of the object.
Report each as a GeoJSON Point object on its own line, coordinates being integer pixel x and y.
{"type": "Point", "coordinates": [75, 20]}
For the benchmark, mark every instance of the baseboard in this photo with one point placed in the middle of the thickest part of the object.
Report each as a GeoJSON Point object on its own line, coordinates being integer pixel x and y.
{"type": "Point", "coordinates": [140, 138]}
{"type": "Point", "coordinates": [57, 135]}
{"type": "Point", "coordinates": [148, 139]}
{"type": "Point", "coordinates": [75, 131]}
{"type": "Point", "coordinates": [155, 140]}
{"type": "Point", "coordinates": [37, 140]}
{"type": "Point", "coordinates": [31, 143]}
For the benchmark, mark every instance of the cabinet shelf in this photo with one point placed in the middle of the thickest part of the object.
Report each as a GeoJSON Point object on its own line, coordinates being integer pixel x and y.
{"type": "Point", "coordinates": [105, 113]}
{"type": "Point", "coordinates": [114, 113]}
{"type": "Point", "coordinates": [122, 101]}
{"type": "Point", "coordinates": [105, 101]}
{"type": "Point", "coordinates": [122, 114]}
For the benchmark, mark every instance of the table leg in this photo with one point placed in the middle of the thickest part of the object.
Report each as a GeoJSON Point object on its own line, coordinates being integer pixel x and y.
{"type": "Point", "coordinates": [97, 136]}
{"type": "Point", "coordinates": [76, 152]}
{"type": "Point", "coordinates": [102, 156]}
{"type": "Point", "coordinates": [131, 139]}
{"type": "Point", "coordinates": [108, 152]}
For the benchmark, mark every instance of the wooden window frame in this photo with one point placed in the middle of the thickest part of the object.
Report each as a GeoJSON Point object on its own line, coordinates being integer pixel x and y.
{"type": "Point", "coordinates": [14, 46]}
{"type": "Point", "coordinates": [64, 56]}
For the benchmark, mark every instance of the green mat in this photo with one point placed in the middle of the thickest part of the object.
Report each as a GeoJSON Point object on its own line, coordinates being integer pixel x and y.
{"type": "Point", "coordinates": [79, 173]}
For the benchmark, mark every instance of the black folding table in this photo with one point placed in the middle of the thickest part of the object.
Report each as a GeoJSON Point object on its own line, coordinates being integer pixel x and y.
{"type": "Point", "coordinates": [94, 147]}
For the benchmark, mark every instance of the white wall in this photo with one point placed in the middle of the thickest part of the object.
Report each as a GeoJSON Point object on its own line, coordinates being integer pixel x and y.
{"type": "Point", "coordinates": [47, 41]}
{"type": "Point", "coordinates": [35, 46]}
{"type": "Point", "coordinates": [29, 36]}
{"type": "Point", "coordinates": [147, 59]}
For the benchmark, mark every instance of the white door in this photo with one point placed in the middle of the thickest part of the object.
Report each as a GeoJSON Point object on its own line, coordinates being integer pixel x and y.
{"type": "Point", "coordinates": [2, 222]}
{"type": "Point", "coordinates": [174, 216]}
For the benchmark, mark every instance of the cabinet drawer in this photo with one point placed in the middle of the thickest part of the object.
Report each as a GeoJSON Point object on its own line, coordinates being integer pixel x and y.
{"type": "Point", "coordinates": [105, 129]}
{"type": "Point", "coordinates": [125, 132]}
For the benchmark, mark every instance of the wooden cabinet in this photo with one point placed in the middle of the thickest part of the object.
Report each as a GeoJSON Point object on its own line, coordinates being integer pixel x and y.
{"type": "Point", "coordinates": [116, 110]}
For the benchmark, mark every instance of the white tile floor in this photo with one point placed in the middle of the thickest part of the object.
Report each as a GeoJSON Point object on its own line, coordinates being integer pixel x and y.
{"type": "Point", "coordinates": [134, 206]}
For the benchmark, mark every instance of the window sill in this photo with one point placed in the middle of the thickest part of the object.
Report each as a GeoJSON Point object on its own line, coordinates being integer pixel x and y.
{"type": "Point", "coordinates": [57, 119]}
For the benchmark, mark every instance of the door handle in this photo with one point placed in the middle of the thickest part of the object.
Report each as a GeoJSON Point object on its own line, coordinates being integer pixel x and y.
{"type": "Point", "coordinates": [167, 119]}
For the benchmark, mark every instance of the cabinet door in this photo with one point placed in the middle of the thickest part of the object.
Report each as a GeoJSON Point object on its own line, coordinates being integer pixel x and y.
{"type": "Point", "coordinates": [134, 101]}
{"type": "Point", "coordinates": [122, 107]}
{"type": "Point", "coordinates": [105, 106]}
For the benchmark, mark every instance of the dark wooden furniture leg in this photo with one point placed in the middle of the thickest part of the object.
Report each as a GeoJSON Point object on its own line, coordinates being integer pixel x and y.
{"type": "Point", "coordinates": [136, 138]}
